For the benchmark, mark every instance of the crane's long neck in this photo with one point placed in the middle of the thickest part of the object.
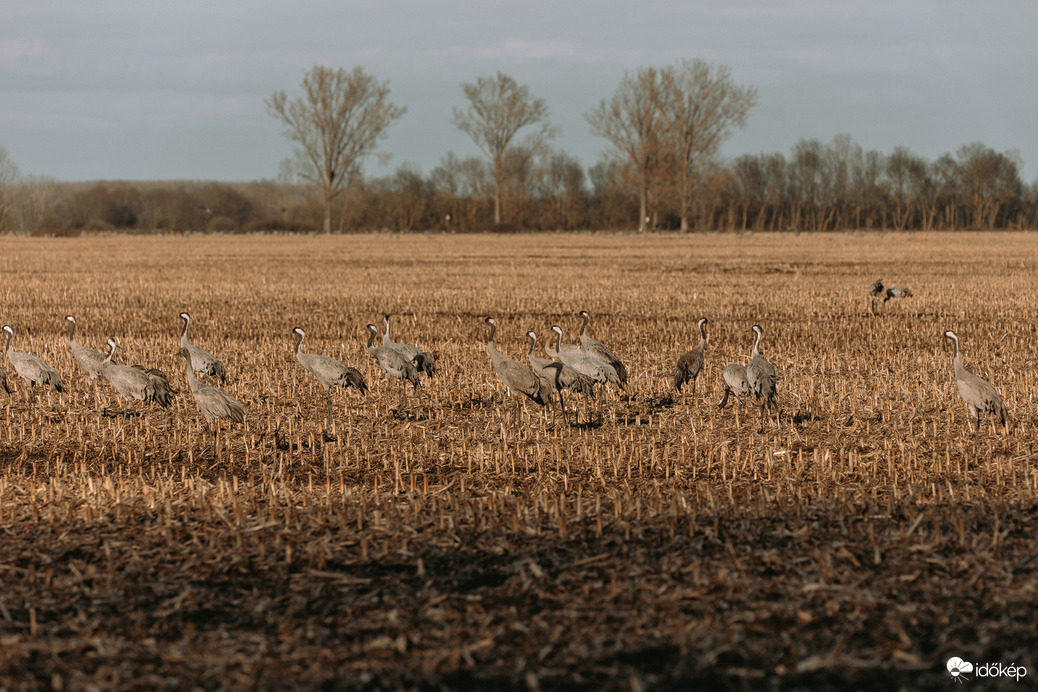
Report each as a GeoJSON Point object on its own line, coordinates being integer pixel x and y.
{"type": "Point", "coordinates": [583, 327]}
{"type": "Point", "coordinates": [371, 338]}
{"type": "Point", "coordinates": [756, 343]}
{"type": "Point", "coordinates": [71, 331]}
{"type": "Point", "coordinates": [187, 321]}
{"type": "Point", "coordinates": [192, 381]}
{"type": "Point", "coordinates": [299, 340]}
{"type": "Point", "coordinates": [386, 338]}
{"type": "Point", "coordinates": [111, 352]}
{"type": "Point", "coordinates": [702, 335]}
{"type": "Point", "coordinates": [533, 345]}
{"type": "Point", "coordinates": [8, 348]}
{"type": "Point", "coordinates": [558, 342]}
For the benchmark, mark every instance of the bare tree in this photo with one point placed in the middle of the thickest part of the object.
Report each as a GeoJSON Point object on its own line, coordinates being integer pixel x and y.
{"type": "Point", "coordinates": [8, 178]}
{"type": "Point", "coordinates": [632, 122]}
{"type": "Point", "coordinates": [701, 105]}
{"type": "Point", "coordinates": [339, 120]}
{"type": "Point", "coordinates": [498, 109]}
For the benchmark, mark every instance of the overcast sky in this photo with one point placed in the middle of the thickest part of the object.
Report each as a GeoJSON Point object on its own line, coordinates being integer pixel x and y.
{"type": "Point", "coordinates": [142, 89]}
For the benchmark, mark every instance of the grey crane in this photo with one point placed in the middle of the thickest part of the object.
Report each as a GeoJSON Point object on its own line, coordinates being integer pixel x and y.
{"type": "Point", "coordinates": [599, 350]}
{"type": "Point", "coordinates": [214, 403]}
{"type": "Point", "coordinates": [392, 361]}
{"type": "Point", "coordinates": [328, 371]}
{"type": "Point", "coordinates": [875, 293]}
{"type": "Point", "coordinates": [89, 360]}
{"type": "Point", "coordinates": [136, 381]}
{"type": "Point", "coordinates": [760, 374]}
{"type": "Point", "coordinates": [896, 293]}
{"type": "Point", "coordinates": [558, 376]}
{"type": "Point", "coordinates": [598, 370]}
{"type": "Point", "coordinates": [201, 361]}
{"type": "Point", "coordinates": [689, 365]}
{"type": "Point", "coordinates": [423, 362]}
{"type": "Point", "coordinates": [30, 368]}
{"type": "Point", "coordinates": [735, 382]}
{"type": "Point", "coordinates": [978, 394]}
{"type": "Point", "coordinates": [516, 376]}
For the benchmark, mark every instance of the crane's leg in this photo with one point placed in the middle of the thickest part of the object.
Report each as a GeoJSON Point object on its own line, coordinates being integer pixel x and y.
{"type": "Point", "coordinates": [562, 405]}
{"type": "Point", "coordinates": [328, 422]}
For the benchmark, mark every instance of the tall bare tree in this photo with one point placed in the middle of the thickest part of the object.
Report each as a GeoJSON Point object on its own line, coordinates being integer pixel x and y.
{"type": "Point", "coordinates": [8, 178]}
{"type": "Point", "coordinates": [498, 109]}
{"type": "Point", "coordinates": [632, 122]}
{"type": "Point", "coordinates": [339, 119]}
{"type": "Point", "coordinates": [701, 105]}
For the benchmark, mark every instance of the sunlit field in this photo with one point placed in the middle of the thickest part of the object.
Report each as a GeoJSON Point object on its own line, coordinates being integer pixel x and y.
{"type": "Point", "coordinates": [464, 539]}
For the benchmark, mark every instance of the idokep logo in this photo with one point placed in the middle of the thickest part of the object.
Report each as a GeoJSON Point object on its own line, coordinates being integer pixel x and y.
{"type": "Point", "coordinates": [958, 669]}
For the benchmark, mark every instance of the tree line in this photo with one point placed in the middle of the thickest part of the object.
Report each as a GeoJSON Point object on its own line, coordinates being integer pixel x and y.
{"type": "Point", "coordinates": [662, 170]}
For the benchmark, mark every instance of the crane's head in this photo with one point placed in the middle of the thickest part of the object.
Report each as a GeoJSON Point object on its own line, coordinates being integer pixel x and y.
{"type": "Point", "coordinates": [584, 314]}
{"type": "Point", "coordinates": [757, 329]}
{"type": "Point", "coordinates": [299, 332]}
{"type": "Point", "coordinates": [186, 317]}
{"type": "Point", "coordinates": [386, 318]}
{"type": "Point", "coordinates": [373, 329]}
{"type": "Point", "coordinates": [557, 329]}
{"type": "Point", "coordinates": [951, 335]}
{"type": "Point", "coordinates": [531, 335]}
{"type": "Point", "coordinates": [111, 344]}
{"type": "Point", "coordinates": [702, 321]}
{"type": "Point", "coordinates": [7, 328]}
{"type": "Point", "coordinates": [70, 318]}
{"type": "Point", "coordinates": [491, 321]}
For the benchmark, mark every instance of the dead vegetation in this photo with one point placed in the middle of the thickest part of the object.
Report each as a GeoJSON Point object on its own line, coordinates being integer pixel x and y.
{"type": "Point", "coordinates": [862, 540]}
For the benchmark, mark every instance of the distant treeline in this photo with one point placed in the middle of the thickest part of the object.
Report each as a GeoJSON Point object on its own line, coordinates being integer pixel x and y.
{"type": "Point", "coordinates": [817, 187]}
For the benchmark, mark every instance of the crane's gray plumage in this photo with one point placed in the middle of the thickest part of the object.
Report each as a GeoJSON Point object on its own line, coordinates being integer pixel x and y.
{"type": "Point", "coordinates": [735, 382]}
{"type": "Point", "coordinates": [978, 394]}
{"type": "Point", "coordinates": [689, 365]}
{"type": "Point", "coordinates": [760, 374]}
{"type": "Point", "coordinates": [598, 370]}
{"type": "Point", "coordinates": [392, 361]}
{"type": "Point", "coordinates": [516, 376]}
{"type": "Point", "coordinates": [897, 293]}
{"type": "Point", "coordinates": [89, 360]}
{"type": "Point", "coordinates": [422, 361]}
{"type": "Point", "coordinates": [201, 361]}
{"type": "Point", "coordinates": [214, 403]}
{"type": "Point", "coordinates": [876, 289]}
{"type": "Point", "coordinates": [30, 368]}
{"type": "Point", "coordinates": [328, 371]}
{"type": "Point", "coordinates": [558, 376]}
{"type": "Point", "coordinates": [136, 381]}
{"type": "Point", "coordinates": [597, 349]}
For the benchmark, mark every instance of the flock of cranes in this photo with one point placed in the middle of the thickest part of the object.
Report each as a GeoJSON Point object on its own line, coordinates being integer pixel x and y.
{"type": "Point", "coordinates": [578, 368]}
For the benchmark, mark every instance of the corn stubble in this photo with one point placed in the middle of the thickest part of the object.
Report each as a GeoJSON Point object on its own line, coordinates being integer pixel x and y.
{"type": "Point", "coordinates": [864, 537]}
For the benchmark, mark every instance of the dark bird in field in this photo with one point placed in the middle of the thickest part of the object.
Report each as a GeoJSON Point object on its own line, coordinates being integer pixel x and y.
{"type": "Point", "coordinates": [599, 350]}
{"type": "Point", "coordinates": [978, 394]}
{"type": "Point", "coordinates": [393, 363]}
{"type": "Point", "coordinates": [896, 293]}
{"type": "Point", "coordinates": [516, 376]}
{"type": "Point", "coordinates": [30, 368]}
{"type": "Point", "coordinates": [136, 381]}
{"type": "Point", "coordinates": [328, 371]}
{"type": "Point", "coordinates": [201, 361]}
{"type": "Point", "coordinates": [760, 375]}
{"type": "Point", "coordinates": [558, 376]}
{"type": "Point", "coordinates": [423, 362]}
{"type": "Point", "coordinates": [212, 402]}
{"type": "Point", "coordinates": [691, 363]}
{"type": "Point", "coordinates": [89, 360]}
{"type": "Point", "coordinates": [735, 382]}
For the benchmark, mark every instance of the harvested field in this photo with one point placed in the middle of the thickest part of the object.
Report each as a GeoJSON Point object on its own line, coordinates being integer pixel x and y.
{"type": "Point", "coordinates": [465, 542]}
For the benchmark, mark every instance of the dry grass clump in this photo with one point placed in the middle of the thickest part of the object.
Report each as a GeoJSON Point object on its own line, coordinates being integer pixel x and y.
{"type": "Point", "coordinates": [863, 539]}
